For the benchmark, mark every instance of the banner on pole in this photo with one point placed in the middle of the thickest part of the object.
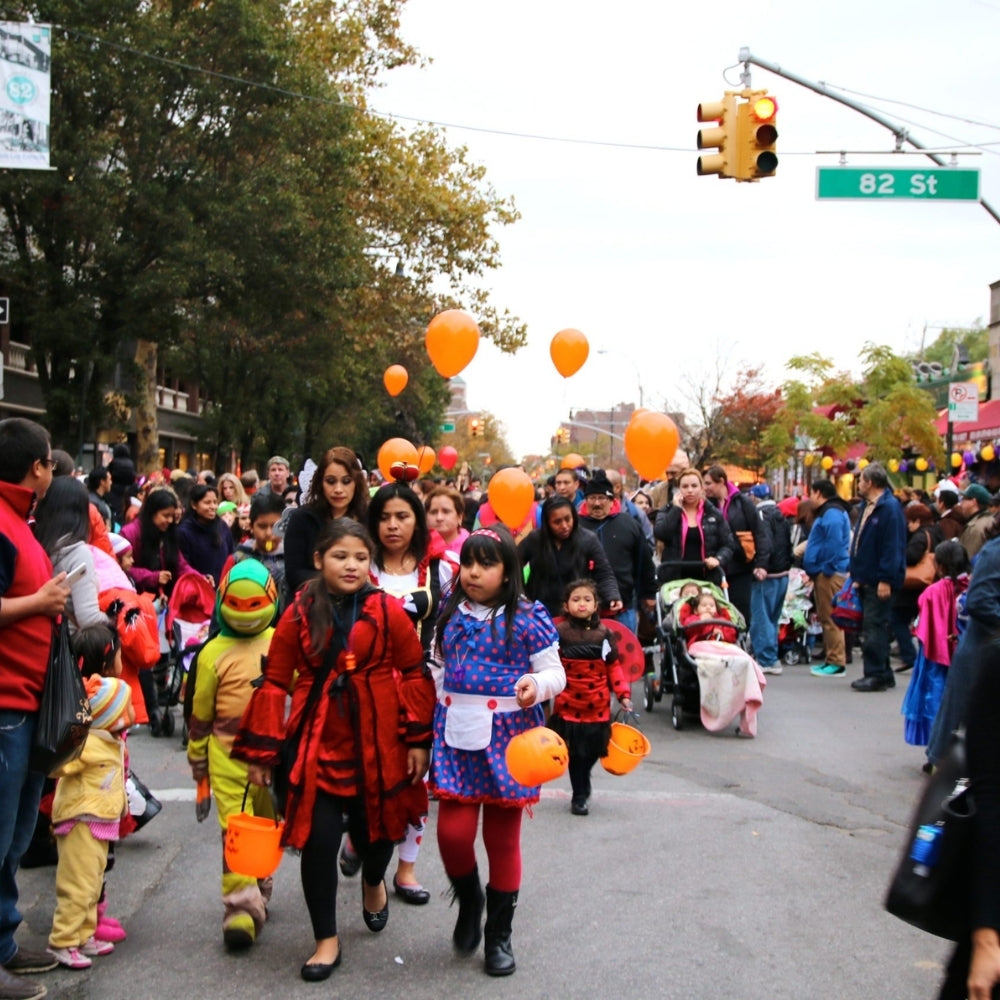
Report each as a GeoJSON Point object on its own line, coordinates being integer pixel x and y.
{"type": "Point", "coordinates": [25, 68]}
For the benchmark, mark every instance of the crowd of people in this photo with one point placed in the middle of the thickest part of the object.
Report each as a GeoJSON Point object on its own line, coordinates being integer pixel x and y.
{"type": "Point", "coordinates": [438, 634]}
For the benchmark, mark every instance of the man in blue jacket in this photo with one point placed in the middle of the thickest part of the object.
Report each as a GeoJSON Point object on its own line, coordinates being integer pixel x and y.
{"type": "Point", "coordinates": [826, 560]}
{"type": "Point", "coordinates": [878, 567]}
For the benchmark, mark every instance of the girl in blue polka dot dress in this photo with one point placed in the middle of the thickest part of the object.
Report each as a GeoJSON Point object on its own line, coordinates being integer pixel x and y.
{"type": "Point", "coordinates": [496, 660]}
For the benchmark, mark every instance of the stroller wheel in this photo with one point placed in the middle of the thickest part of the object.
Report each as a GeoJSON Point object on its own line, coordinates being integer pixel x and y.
{"type": "Point", "coordinates": [647, 692]}
{"type": "Point", "coordinates": [791, 657]}
{"type": "Point", "coordinates": [167, 723]}
{"type": "Point", "coordinates": [677, 714]}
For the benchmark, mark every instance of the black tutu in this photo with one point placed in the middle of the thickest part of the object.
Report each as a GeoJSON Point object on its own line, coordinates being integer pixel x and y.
{"type": "Point", "coordinates": [588, 740]}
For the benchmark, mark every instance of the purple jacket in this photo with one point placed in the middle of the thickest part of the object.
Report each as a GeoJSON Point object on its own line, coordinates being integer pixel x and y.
{"type": "Point", "coordinates": [147, 577]}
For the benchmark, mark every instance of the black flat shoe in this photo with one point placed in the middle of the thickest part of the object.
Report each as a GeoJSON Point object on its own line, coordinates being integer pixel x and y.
{"type": "Point", "coordinates": [316, 972]}
{"type": "Point", "coordinates": [375, 922]}
{"type": "Point", "coordinates": [870, 684]}
{"type": "Point", "coordinates": [415, 895]}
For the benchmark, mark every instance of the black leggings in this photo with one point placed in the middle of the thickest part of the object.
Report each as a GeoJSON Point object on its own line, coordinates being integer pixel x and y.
{"type": "Point", "coordinates": [319, 857]}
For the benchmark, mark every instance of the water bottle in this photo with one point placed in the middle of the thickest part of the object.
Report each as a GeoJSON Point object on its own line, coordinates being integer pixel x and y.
{"type": "Point", "coordinates": [926, 848]}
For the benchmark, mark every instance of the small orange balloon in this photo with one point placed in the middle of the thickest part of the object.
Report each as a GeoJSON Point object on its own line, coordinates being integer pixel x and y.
{"type": "Point", "coordinates": [395, 378]}
{"type": "Point", "coordinates": [651, 439]}
{"type": "Point", "coordinates": [451, 341]}
{"type": "Point", "coordinates": [572, 461]}
{"type": "Point", "coordinates": [425, 459]}
{"type": "Point", "coordinates": [511, 495]}
{"type": "Point", "coordinates": [392, 451]}
{"type": "Point", "coordinates": [569, 350]}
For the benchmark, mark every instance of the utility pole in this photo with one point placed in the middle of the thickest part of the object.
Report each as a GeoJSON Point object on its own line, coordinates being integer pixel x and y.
{"type": "Point", "coordinates": [899, 131]}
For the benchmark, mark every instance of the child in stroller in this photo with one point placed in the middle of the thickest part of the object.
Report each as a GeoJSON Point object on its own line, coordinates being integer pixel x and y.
{"type": "Point", "coordinates": [716, 678]}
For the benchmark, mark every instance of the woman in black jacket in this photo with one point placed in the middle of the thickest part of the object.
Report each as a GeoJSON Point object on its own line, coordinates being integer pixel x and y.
{"type": "Point", "coordinates": [561, 551]}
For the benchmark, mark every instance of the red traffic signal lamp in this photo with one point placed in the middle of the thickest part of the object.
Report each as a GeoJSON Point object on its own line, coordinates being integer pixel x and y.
{"type": "Point", "coordinates": [757, 135]}
{"type": "Point", "coordinates": [722, 137]}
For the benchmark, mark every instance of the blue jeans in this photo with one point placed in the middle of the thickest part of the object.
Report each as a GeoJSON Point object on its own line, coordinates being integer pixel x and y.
{"type": "Point", "coordinates": [20, 793]}
{"type": "Point", "coordinates": [628, 618]}
{"type": "Point", "coordinates": [875, 651]}
{"type": "Point", "coordinates": [767, 597]}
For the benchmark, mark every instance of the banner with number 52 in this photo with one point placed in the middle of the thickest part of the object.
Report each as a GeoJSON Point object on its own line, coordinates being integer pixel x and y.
{"type": "Point", "coordinates": [25, 70]}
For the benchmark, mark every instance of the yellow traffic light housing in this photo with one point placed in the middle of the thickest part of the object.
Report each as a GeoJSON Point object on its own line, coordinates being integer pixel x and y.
{"type": "Point", "coordinates": [722, 137]}
{"type": "Point", "coordinates": [757, 136]}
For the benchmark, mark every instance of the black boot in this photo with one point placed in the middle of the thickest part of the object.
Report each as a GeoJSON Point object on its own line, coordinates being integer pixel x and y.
{"type": "Point", "coordinates": [152, 699]}
{"type": "Point", "coordinates": [499, 916]}
{"type": "Point", "coordinates": [468, 928]}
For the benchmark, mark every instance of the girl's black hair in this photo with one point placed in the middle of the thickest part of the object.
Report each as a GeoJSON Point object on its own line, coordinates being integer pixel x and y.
{"type": "Point", "coordinates": [318, 600]}
{"type": "Point", "coordinates": [421, 533]}
{"type": "Point", "coordinates": [63, 515]}
{"type": "Point", "coordinates": [198, 493]}
{"type": "Point", "coordinates": [95, 648]}
{"type": "Point", "coordinates": [151, 539]}
{"type": "Point", "coordinates": [590, 584]}
{"type": "Point", "coordinates": [951, 558]}
{"type": "Point", "coordinates": [489, 546]}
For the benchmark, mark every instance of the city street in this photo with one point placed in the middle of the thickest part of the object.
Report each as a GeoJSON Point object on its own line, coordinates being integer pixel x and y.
{"type": "Point", "coordinates": [719, 868]}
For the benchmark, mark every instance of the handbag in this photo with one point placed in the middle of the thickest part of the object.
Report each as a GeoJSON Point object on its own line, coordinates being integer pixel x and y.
{"type": "Point", "coordinates": [747, 543]}
{"type": "Point", "coordinates": [845, 607]}
{"type": "Point", "coordinates": [930, 887]}
{"type": "Point", "coordinates": [922, 575]}
{"type": "Point", "coordinates": [64, 715]}
{"type": "Point", "coordinates": [142, 803]}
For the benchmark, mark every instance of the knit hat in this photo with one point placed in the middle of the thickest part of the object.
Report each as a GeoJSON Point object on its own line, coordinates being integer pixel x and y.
{"type": "Point", "coordinates": [978, 493]}
{"type": "Point", "coordinates": [119, 543]}
{"type": "Point", "coordinates": [600, 485]}
{"type": "Point", "coordinates": [761, 491]}
{"type": "Point", "coordinates": [110, 698]}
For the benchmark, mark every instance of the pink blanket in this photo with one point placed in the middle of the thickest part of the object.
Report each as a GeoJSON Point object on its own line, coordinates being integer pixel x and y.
{"type": "Point", "coordinates": [731, 685]}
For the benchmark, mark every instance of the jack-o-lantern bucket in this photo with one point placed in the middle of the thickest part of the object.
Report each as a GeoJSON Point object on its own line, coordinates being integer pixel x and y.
{"type": "Point", "coordinates": [536, 756]}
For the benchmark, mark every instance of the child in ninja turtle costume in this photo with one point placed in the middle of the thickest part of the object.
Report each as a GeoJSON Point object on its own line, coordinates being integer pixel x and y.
{"type": "Point", "coordinates": [245, 610]}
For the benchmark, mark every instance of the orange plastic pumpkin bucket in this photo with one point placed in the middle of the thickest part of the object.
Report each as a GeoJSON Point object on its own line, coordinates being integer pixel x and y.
{"type": "Point", "coordinates": [536, 756]}
{"type": "Point", "coordinates": [253, 844]}
{"type": "Point", "coordinates": [626, 748]}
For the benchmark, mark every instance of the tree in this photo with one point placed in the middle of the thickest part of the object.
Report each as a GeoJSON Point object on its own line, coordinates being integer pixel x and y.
{"type": "Point", "coordinates": [974, 339]}
{"type": "Point", "coordinates": [742, 417]}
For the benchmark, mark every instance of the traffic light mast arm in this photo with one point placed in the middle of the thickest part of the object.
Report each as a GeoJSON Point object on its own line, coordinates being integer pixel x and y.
{"type": "Point", "coordinates": [902, 134]}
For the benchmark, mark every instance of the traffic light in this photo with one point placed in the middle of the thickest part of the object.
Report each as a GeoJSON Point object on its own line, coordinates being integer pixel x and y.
{"type": "Point", "coordinates": [757, 134]}
{"type": "Point", "coordinates": [475, 427]}
{"type": "Point", "coordinates": [722, 137]}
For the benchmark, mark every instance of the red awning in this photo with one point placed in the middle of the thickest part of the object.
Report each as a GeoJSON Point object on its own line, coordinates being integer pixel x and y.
{"type": "Point", "coordinates": [986, 427]}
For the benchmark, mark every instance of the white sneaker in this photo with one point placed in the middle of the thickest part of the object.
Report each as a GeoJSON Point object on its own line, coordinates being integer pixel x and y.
{"type": "Point", "coordinates": [72, 958]}
{"type": "Point", "coordinates": [776, 670]}
{"type": "Point", "coordinates": [94, 947]}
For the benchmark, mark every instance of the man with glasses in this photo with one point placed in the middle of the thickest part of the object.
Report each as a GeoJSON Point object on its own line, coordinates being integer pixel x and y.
{"type": "Point", "coordinates": [29, 601]}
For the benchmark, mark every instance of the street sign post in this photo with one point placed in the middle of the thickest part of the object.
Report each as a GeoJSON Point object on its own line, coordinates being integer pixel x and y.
{"type": "Point", "coordinates": [877, 184]}
{"type": "Point", "coordinates": [963, 403]}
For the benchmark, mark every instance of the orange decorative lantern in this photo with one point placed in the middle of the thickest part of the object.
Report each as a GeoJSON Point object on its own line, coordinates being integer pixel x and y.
{"type": "Point", "coordinates": [425, 459]}
{"type": "Point", "coordinates": [572, 461]}
{"type": "Point", "coordinates": [395, 450]}
{"type": "Point", "coordinates": [511, 494]}
{"type": "Point", "coordinates": [447, 457]}
{"type": "Point", "coordinates": [395, 378]}
{"type": "Point", "coordinates": [452, 341]}
{"type": "Point", "coordinates": [569, 350]}
{"type": "Point", "coordinates": [536, 756]}
{"type": "Point", "coordinates": [651, 439]}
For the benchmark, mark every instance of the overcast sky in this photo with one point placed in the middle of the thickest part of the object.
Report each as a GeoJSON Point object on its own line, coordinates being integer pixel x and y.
{"type": "Point", "coordinates": [672, 273]}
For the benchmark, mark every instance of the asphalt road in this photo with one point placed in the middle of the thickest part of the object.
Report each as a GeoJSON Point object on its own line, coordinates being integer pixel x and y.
{"type": "Point", "coordinates": [719, 868]}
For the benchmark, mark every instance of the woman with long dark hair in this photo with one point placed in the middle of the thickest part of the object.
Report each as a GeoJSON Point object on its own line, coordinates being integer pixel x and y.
{"type": "Point", "coordinates": [204, 538]}
{"type": "Point", "coordinates": [153, 537]}
{"type": "Point", "coordinates": [562, 550]}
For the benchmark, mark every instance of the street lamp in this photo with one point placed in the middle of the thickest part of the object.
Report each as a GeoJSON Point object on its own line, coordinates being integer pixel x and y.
{"type": "Point", "coordinates": [638, 374]}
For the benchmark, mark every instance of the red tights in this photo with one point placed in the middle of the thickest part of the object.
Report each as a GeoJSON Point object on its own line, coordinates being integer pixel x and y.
{"type": "Point", "coordinates": [456, 833]}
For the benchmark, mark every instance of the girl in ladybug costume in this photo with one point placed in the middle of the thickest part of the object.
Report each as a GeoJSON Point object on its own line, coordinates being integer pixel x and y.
{"type": "Point", "coordinates": [496, 659]}
{"type": "Point", "coordinates": [581, 716]}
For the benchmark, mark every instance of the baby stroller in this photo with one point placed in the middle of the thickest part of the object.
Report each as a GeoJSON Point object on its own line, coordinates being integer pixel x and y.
{"type": "Point", "coordinates": [795, 632]}
{"type": "Point", "coordinates": [187, 623]}
{"type": "Point", "coordinates": [700, 675]}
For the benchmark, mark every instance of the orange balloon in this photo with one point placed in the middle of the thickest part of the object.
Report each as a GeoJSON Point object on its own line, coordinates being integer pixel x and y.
{"type": "Point", "coordinates": [392, 451]}
{"type": "Point", "coordinates": [452, 340]}
{"type": "Point", "coordinates": [395, 378]}
{"type": "Point", "coordinates": [569, 350]}
{"type": "Point", "coordinates": [511, 495]}
{"type": "Point", "coordinates": [572, 461]}
{"type": "Point", "coordinates": [425, 459]}
{"type": "Point", "coordinates": [650, 442]}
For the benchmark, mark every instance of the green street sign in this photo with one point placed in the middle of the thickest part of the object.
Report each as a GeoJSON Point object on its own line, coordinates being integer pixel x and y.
{"type": "Point", "coordinates": [448, 428]}
{"type": "Point", "coordinates": [876, 183]}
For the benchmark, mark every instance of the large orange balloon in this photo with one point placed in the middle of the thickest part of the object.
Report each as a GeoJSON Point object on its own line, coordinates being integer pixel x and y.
{"type": "Point", "coordinates": [511, 495]}
{"type": "Point", "coordinates": [425, 459]}
{"type": "Point", "coordinates": [452, 340]}
{"type": "Point", "coordinates": [650, 442]}
{"type": "Point", "coordinates": [572, 461]}
{"type": "Point", "coordinates": [447, 457]}
{"type": "Point", "coordinates": [395, 378]}
{"type": "Point", "coordinates": [395, 450]}
{"type": "Point", "coordinates": [569, 350]}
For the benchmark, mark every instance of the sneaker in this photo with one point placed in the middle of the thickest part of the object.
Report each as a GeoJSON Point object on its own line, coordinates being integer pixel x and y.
{"type": "Point", "coordinates": [828, 670]}
{"type": "Point", "coordinates": [72, 958]}
{"type": "Point", "coordinates": [26, 960]}
{"type": "Point", "coordinates": [93, 947]}
{"type": "Point", "coordinates": [775, 670]}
